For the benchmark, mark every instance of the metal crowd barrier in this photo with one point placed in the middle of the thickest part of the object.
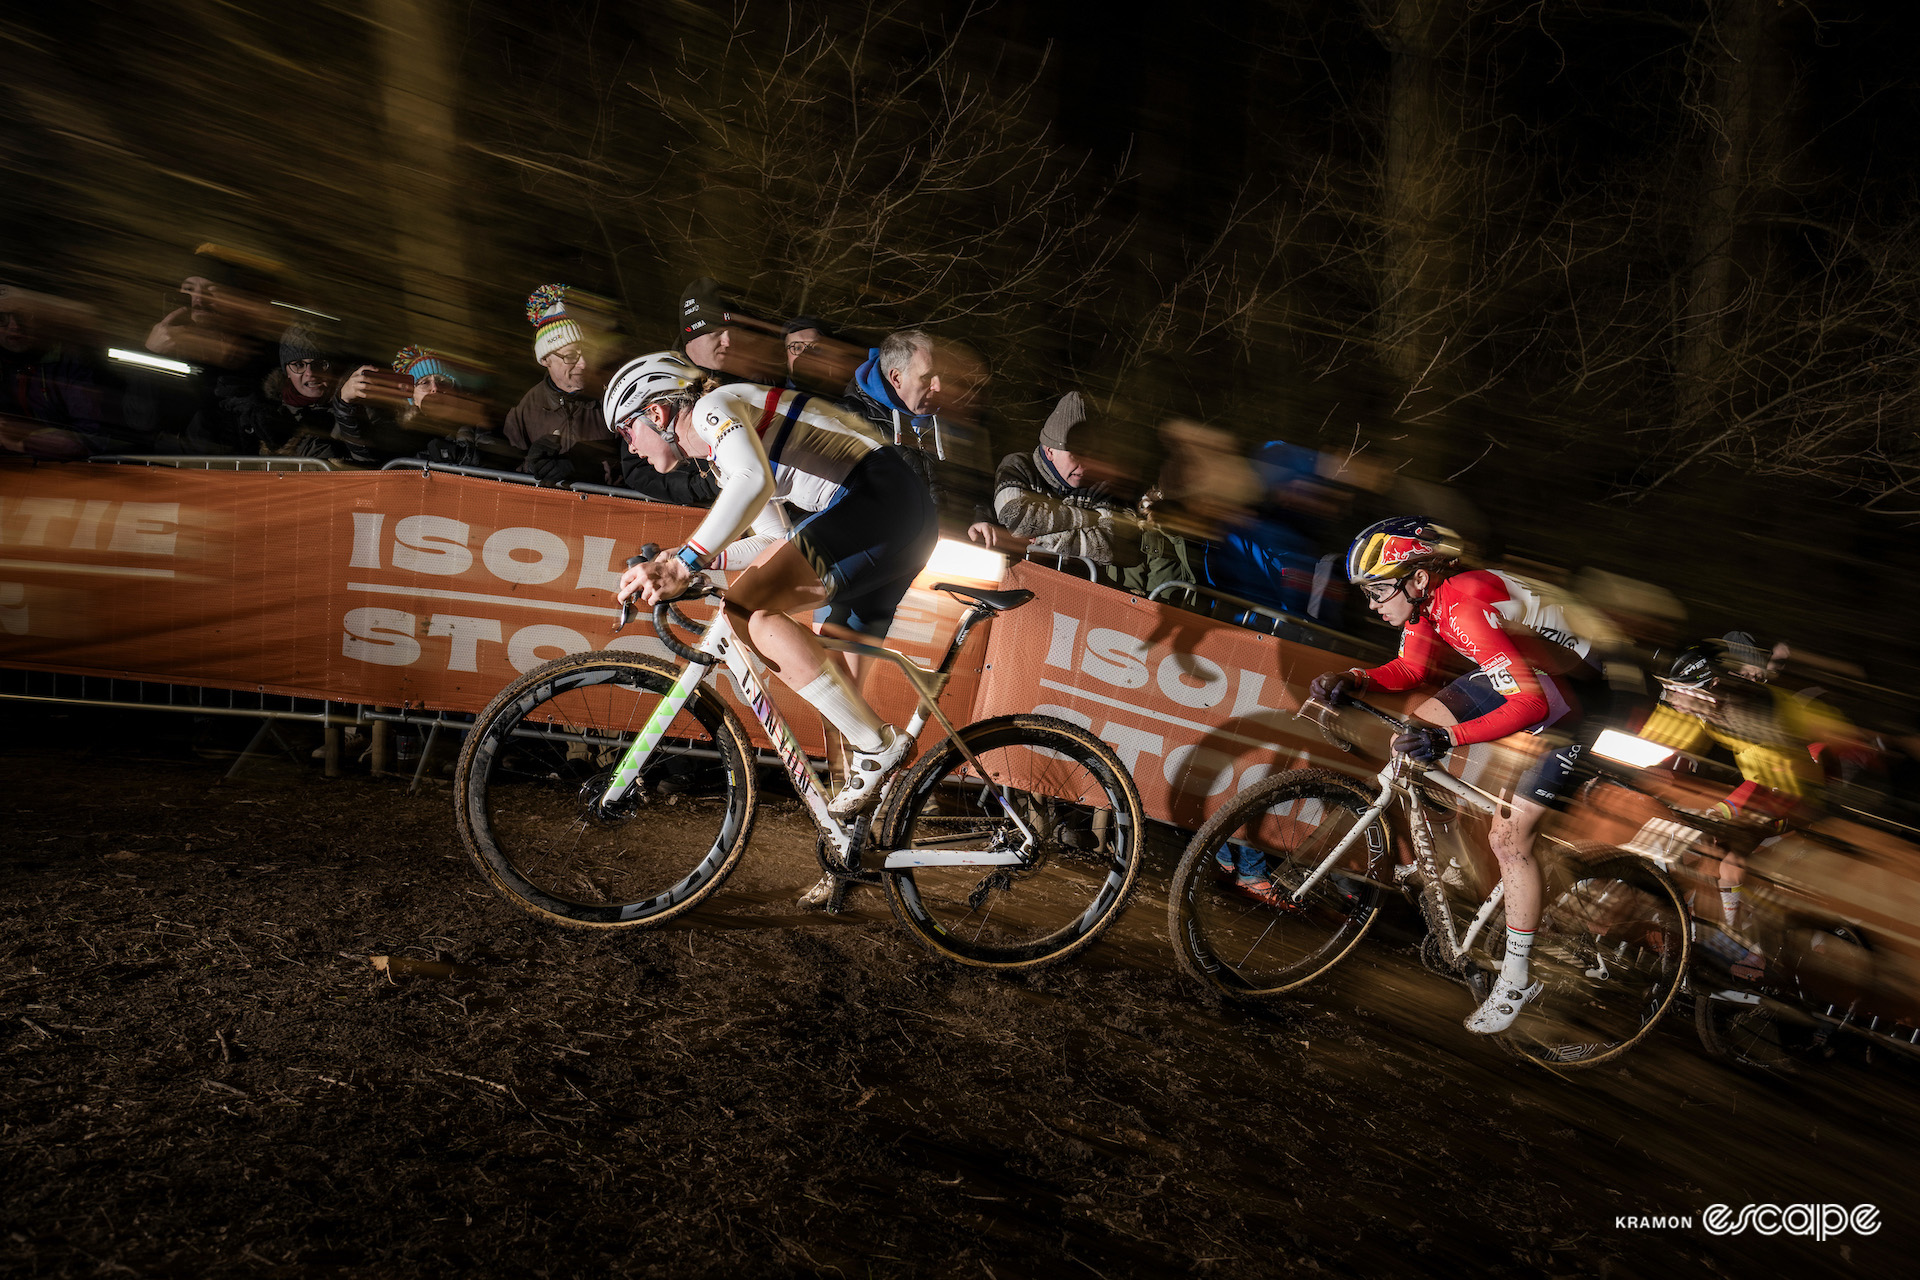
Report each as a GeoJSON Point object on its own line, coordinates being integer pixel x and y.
{"type": "Point", "coordinates": [453, 469]}
{"type": "Point", "coordinates": [219, 462]}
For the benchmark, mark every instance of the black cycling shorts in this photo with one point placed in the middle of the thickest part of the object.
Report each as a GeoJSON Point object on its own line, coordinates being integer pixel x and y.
{"type": "Point", "coordinates": [1559, 773]}
{"type": "Point", "coordinates": [871, 541]}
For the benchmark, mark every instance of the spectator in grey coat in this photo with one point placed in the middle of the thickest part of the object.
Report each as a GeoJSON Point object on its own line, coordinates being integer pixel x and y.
{"type": "Point", "coordinates": [1050, 502]}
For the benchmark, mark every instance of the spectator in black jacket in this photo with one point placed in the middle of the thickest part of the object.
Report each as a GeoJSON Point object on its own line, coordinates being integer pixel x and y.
{"type": "Point", "coordinates": [290, 411]}
{"type": "Point", "coordinates": [557, 422]}
{"type": "Point", "coordinates": [53, 394]}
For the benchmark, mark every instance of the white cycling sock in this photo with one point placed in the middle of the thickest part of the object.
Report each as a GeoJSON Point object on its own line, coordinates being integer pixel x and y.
{"type": "Point", "coordinates": [834, 697]}
{"type": "Point", "coordinates": [1730, 901]}
{"type": "Point", "coordinates": [1513, 973]}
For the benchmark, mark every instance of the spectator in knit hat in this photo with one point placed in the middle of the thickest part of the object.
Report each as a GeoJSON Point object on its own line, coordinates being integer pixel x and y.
{"type": "Point", "coordinates": [423, 406]}
{"type": "Point", "coordinates": [557, 423]}
{"type": "Point", "coordinates": [1050, 501]}
{"type": "Point", "coordinates": [290, 412]}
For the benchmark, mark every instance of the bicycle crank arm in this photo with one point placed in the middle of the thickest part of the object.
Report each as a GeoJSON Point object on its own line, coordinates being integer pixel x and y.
{"type": "Point", "coordinates": [905, 859]}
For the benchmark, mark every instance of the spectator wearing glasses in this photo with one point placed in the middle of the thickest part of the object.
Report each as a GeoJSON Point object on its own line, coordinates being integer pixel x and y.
{"type": "Point", "coordinates": [423, 406]}
{"type": "Point", "coordinates": [290, 412]}
{"type": "Point", "coordinates": [817, 360]}
{"type": "Point", "coordinates": [557, 423]}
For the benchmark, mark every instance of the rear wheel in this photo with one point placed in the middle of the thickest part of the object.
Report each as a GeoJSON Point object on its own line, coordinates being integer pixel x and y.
{"type": "Point", "coordinates": [529, 788]}
{"type": "Point", "coordinates": [1079, 855]}
{"type": "Point", "coordinates": [1741, 1023]}
{"type": "Point", "coordinates": [1744, 1026]}
{"type": "Point", "coordinates": [1285, 827]}
{"type": "Point", "coordinates": [1610, 952]}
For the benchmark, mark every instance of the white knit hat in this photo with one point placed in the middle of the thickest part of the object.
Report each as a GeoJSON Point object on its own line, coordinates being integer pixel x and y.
{"type": "Point", "coordinates": [553, 327]}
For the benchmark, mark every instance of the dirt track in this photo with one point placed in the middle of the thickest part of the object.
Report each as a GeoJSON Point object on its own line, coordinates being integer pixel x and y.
{"type": "Point", "coordinates": [206, 1077]}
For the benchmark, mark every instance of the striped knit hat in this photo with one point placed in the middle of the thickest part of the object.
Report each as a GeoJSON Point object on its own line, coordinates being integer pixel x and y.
{"type": "Point", "coordinates": [553, 326]}
{"type": "Point", "coordinates": [424, 362]}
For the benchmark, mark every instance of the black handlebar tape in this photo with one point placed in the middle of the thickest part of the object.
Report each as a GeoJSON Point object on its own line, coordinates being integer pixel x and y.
{"type": "Point", "coordinates": [664, 611]}
{"type": "Point", "coordinates": [647, 553]}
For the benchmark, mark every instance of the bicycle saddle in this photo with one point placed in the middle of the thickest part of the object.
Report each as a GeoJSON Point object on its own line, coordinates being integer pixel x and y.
{"type": "Point", "coordinates": [998, 601]}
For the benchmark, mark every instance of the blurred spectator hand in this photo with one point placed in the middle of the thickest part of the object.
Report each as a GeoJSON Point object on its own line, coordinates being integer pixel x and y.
{"type": "Point", "coordinates": [998, 538]}
{"type": "Point", "coordinates": [442, 403]}
{"type": "Point", "coordinates": [178, 337]}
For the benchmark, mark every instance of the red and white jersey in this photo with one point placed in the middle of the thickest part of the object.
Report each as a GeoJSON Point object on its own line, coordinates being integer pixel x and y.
{"type": "Point", "coordinates": [1516, 633]}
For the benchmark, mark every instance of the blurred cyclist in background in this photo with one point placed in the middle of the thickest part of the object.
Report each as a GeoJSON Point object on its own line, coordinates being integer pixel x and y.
{"type": "Point", "coordinates": [1718, 692]}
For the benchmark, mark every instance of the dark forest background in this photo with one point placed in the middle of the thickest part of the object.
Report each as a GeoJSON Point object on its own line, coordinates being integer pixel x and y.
{"type": "Point", "coordinates": [1641, 279]}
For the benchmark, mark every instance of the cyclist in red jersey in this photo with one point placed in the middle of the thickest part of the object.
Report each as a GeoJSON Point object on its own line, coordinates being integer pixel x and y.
{"type": "Point", "coordinates": [1531, 673]}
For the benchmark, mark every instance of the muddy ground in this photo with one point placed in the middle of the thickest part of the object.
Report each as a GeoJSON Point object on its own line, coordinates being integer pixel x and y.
{"type": "Point", "coordinates": [204, 1076]}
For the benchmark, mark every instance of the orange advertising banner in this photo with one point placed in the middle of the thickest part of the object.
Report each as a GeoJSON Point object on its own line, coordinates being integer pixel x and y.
{"type": "Point", "coordinates": [1196, 707]}
{"type": "Point", "coordinates": [397, 589]}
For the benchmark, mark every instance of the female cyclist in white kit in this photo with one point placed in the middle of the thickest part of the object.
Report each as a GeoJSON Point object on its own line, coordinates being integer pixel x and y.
{"type": "Point", "coordinates": [871, 527]}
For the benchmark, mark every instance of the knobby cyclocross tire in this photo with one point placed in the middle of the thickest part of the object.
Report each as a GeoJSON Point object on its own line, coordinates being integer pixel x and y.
{"type": "Point", "coordinates": [1075, 795]}
{"type": "Point", "coordinates": [1249, 949]}
{"type": "Point", "coordinates": [533, 769]}
{"type": "Point", "coordinates": [1611, 950]}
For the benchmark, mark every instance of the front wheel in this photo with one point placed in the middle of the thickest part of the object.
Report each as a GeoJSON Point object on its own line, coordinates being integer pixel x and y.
{"type": "Point", "coordinates": [529, 794]}
{"type": "Point", "coordinates": [1760, 1027]}
{"type": "Point", "coordinates": [1077, 858]}
{"type": "Point", "coordinates": [1249, 945]}
{"type": "Point", "coordinates": [1611, 950]}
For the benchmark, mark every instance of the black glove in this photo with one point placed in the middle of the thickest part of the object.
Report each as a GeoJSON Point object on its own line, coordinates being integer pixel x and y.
{"type": "Point", "coordinates": [1335, 688]}
{"type": "Point", "coordinates": [1424, 744]}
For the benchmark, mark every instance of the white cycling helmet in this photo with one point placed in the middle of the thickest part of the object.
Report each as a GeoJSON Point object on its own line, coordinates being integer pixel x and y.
{"type": "Point", "coordinates": [640, 382]}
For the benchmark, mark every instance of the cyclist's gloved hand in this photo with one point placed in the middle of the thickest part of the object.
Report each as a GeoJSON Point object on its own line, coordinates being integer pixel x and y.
{"type": "Point", "coordinates": [1335, 688]}
{"type": "Point", "coordinates": [1423, 743]}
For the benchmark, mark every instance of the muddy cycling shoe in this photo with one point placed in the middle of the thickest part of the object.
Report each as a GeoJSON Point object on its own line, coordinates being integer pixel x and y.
{"type": "Point", "coordinates": [1499, 1010]}
{"type": "Point", "coordinates": [867, 770]}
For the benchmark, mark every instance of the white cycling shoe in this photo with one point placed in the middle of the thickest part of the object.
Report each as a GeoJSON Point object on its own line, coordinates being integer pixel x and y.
{"type": "Point", "coordinates": [1499, 1010]}
{"type": "Point", "coordinates": [867, 770]}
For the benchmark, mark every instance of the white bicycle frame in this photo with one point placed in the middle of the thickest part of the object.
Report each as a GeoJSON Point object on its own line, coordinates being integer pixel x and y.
{"type": "Point", "coordinates": [1398, 777]}
{"type": "Point", "coordinates": [748, 674]}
